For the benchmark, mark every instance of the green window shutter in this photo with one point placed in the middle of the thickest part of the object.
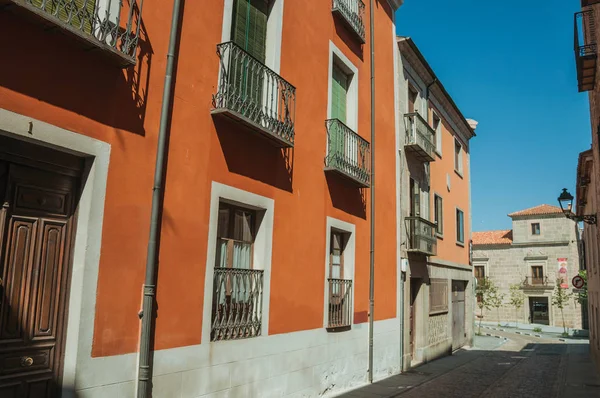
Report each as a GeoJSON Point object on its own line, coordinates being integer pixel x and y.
{"type": "Point", "coordinates": [249, 27]}
{"type": "Point", "coordinates": [80, 12]}
{"type": "Point", "coordinates": [339, 91]}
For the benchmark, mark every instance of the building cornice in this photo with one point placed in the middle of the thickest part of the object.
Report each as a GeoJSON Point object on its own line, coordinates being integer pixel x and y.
{"type": "Point", "coordinates": [449, 264]}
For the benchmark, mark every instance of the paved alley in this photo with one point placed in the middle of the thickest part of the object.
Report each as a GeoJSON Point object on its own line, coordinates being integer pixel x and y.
{"type": "Point", "coordinates": [523, 366]}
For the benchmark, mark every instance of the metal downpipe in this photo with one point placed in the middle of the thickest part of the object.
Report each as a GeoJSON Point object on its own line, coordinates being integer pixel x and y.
{"type": "Point", "coordinates": [145, 367]}
{"type": "Point", "coordinates": [372, 216]}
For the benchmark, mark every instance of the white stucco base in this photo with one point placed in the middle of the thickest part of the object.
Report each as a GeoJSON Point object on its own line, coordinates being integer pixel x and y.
{"type": "Point", "coordinates": [312, 363]}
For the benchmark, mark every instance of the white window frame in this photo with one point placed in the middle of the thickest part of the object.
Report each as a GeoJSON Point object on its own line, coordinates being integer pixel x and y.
{"type": "Point", "coordinates": [438, 132]}
{"type": "Point", "coordinates": [438, 234]}
{"type": "Point", "coordinates": [458, 168]}
{"type": "Point", "coordinates": [274, 29]}
{"type": "Point", "coordinates": [349, 259]}
{"type": "Point", "coordinates": [337, 56]}
{"type": "Point", "coordinates": [262, 249]}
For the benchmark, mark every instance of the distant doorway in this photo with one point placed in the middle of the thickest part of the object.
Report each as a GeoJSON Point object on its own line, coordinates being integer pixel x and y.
{"type": "Point", "coordinates": [539, 310]}
{"type": "Point", "coordinates": [415, 286]}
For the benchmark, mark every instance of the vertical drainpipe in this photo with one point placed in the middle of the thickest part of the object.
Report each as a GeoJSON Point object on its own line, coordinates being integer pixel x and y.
{"type": "Point", "coordinates": [145, 368]}
{"type": "Point", "coordinates": [372, 254]}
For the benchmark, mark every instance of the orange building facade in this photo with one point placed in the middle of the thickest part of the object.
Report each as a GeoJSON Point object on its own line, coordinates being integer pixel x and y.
{"type": "Point", "coordinates": [263, 272]}
{"type": "Point", "coordinates": [435, 212]}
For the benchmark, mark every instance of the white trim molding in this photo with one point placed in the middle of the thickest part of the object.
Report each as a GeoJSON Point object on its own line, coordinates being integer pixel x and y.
{"type": "Point", "coordinates": [333, 224]}
{"type": "Point", "coordinates": [263, 246]}
{"type": "Point", "coordinates": [337, 56]}
{"type": "Point", "coordinates": [88, 236]}
{"type": "Point", "coordinates": [274, 31]}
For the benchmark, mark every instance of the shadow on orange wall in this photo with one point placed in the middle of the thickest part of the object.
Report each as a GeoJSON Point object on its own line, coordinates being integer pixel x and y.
{"type": "Point", "coordinates": [250, 155]}
{"type": "Point", "coordinates": [54, 68]}
{"type": "Point", "coordinates": [346, 197]}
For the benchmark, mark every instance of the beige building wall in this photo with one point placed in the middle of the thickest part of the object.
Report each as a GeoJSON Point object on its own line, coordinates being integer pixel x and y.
{"type": "Point", "coordinates": [511, 264]}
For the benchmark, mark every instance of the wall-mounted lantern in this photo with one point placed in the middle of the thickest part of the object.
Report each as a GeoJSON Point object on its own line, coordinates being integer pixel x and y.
{"type": "Point", "coordinates": [565, 200]}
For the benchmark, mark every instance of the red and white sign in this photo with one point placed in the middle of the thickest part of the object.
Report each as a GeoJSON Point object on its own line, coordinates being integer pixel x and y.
{"type": "Point", "coordinates": [577, 282]}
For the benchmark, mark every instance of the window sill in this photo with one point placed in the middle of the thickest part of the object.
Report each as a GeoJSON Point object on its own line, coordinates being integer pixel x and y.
{"type": "Point", "coordinates": [438, 153]}
{"type": "Point", "coordinates": [458, 173]}
{"type": "Point", "coordinates": [439, 236]}
{"type": "Point", "coordinates": [461, 244]}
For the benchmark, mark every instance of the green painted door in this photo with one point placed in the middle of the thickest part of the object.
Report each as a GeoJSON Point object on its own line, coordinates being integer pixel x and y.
{"type": "Point", "coordinates": [249, 31]}
{"type": "Point", "coordinates": [339, 92]}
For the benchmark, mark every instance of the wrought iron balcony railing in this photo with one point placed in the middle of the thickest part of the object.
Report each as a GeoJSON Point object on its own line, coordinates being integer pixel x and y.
{"type": "Point", "coordinates": [586, 49]}
{"type": "Point", "coordinates": [112, 25]}
{"type": "Point", "coordinates": [252, 93]}
{"type": "Point", "coordinates": [353, 13]}
{"type": "Point", "coordinates": [537, 282]}
{"type": "Point", "coordinates": [340, 303]}
{"type": "Point", "coordinates": [348, 153]}
{"type": "Point", "coordinates": [237, 303]}
{"type": "Point", "coordinates": [421, 236]}
{"type": "Point", "coordinates": [419, 137]}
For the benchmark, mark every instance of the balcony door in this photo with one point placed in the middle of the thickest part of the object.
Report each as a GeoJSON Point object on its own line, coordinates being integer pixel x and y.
{"type": "Point", "coordinates": [342, 147]}
{"type": "Point", "coordinates": [249, 32]}
{"type": "Point", "coordinates": [415, 199]}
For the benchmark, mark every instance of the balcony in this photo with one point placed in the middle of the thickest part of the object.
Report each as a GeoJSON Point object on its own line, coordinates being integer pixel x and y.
{"type": "Point", "coordinates": [348, 154]}
{"type": "Point", "coordinates": [585, 3]}
{"type": "Point", "coordinates": [237, 303]}
{"type": "Point", "coordinates": [352, 12]}
{"type": "Point", "coordinates": [586, 51]}
{"type": "Point", "coordinates": [110, 25]}
{"type": "Point", "coordinates": [419, 137]}
{"type": "Point", "coordinates": [255, 96]}
{"type": "Point", "coordinates": [531, 282]}
{"type": "Point", "coordinates": [421, 236]}
{"type": "Point", "coordinates": [340, 304]}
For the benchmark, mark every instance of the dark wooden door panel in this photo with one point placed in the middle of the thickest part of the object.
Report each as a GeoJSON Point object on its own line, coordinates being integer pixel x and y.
{"type": "Point", "coordinates": [20, 244]}
{"type": "Point", "coordinates": [36, 222]}
{"type": "Point", "coordinates": [45, 294]}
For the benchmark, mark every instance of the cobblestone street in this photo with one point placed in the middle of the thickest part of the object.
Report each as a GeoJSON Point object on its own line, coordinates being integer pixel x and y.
{"type": "Point", "coordinates": [523, 366]}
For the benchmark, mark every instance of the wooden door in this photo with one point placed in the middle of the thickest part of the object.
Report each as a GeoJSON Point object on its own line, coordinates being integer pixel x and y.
{"type": "Point", "coordinates": [415, 285]}
{"type": "Point", "coordinates": [36, 223]}
{"type": "Point", "coordinates": [458, 314]}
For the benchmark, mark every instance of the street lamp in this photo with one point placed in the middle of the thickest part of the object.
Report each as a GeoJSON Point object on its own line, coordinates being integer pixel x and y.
{"type": "Point", "coordinates": [565, 200]}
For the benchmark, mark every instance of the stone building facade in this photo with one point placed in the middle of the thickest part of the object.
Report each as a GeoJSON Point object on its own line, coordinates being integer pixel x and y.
{"type": "Point", "coordinates": [530, 255]}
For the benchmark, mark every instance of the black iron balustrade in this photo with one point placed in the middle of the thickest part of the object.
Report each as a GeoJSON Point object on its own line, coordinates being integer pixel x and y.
{"type": "Point", "coordinates": [537, 281]}
{"type": "Point", "coordinates": [421, 236]}
{"type": "Point", "coordinates": [113, 25]}
{"type": "Point", "coordinates": [348, 153]}
{"type": "Point", "coordinates": [237, 303]}
{"type": "Point", "coordinates": [419, 137]}
{"type": "Point", "coordinates": [250, 92]}
{"type": "Point", "coordinates": [586, 49]}
{"type": "Point", "coordinates": [353, 13]}
{"type": "Point", "coordinates": [340, 303]}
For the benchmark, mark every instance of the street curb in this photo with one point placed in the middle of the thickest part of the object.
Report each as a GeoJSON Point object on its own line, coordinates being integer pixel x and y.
{"type": "Point", "coordinates": [496, 336]}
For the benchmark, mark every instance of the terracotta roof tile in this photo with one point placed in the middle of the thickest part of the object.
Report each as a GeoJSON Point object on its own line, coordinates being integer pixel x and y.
{"type": "Point", "coordinates": [537, 210]}
{"type": "Point", "coordinates": [493, 237]}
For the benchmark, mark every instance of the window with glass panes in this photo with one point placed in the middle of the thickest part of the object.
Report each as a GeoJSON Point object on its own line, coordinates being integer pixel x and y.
{"type": "Point", "coordinates": [235, 237]}
{"type": "Point", "coordinates": [336, 255]}
{"type": "Point", "coordinates": [460, 226]}
{"type": "Point", "coordinates": [537, 275]}
{"type": "Point", "coordinates": [535, 228]}
{"type": "Point", "coordinates": [439, 214]}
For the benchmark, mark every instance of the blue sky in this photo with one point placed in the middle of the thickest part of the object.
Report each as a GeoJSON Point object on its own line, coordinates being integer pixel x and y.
{"type": "Point", "coordinates": [510, 65]}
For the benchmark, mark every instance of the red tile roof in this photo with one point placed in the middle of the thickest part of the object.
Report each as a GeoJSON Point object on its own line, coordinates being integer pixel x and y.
{"type": "Point", "coordinates": [493, 237]}
{"type": "Point", "coordinates": [537, 210]}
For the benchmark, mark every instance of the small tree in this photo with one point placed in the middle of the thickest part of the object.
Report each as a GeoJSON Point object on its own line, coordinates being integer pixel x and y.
{"type": "Point", "coordinates": [517, 298]}
{"type": "Point", "coordinates": [496, 300]}
{"type": "Point", "coordinates": [582, 295]}
{"type": "Point", "coordinates": [560, 298]}
{"type": "Point", "coordinates": [484, 292]}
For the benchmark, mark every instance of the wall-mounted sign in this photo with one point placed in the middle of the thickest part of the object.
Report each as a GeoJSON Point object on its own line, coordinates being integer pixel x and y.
{"type": "Point", "coordinates": [562, 273]}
